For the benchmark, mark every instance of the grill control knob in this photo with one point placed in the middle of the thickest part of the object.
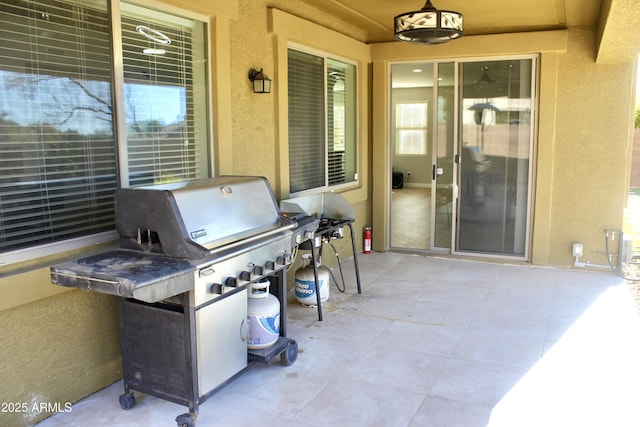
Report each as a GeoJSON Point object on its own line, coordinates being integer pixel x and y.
{"type": "Point", "coordinates": [216, 288]}
{"type": "Point", "coordinates": [231, 281]}
{"type": "Point", "coordinates": [270, 265]}
{"type": "Point", "coordinates": [245, 275]}
{"type": "Point", "coordinates": [281, 260]}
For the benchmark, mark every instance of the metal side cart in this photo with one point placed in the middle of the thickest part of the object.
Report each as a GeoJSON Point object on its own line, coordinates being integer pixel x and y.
{"type": "Point", "coordinates": [333, 212]}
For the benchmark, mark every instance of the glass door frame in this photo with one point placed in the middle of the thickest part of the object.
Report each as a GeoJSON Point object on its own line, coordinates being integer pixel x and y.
{"type": "Point", "coordinates": [533, 138]}
{"type": "Point", "coordinates": [431, 151]}
{"type": "Point", "coordinates": [453, 156]}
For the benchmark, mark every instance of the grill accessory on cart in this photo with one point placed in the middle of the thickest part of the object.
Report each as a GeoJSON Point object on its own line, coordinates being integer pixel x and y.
{"type": "Point", "coordinates": [187, 253]}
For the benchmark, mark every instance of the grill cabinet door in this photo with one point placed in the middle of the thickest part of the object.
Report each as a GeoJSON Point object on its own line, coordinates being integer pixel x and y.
{"type": "Point", "coordinates": [222, 333]}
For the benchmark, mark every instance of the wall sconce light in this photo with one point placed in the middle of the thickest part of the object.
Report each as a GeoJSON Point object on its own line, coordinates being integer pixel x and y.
{"type": "Point", "coordinates": [261, 83]}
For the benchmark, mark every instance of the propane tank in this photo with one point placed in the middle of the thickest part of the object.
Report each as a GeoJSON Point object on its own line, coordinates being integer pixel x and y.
{"type": "Point", "coordinates": [367, 240]}
{"type": "Point", "coordinates": [263, 315]}
{"type": "Point", "coordinates": [306, 283]}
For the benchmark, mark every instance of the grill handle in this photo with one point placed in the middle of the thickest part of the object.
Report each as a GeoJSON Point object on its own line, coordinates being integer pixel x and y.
{"type": "Point", "coordinates": [232, 245]}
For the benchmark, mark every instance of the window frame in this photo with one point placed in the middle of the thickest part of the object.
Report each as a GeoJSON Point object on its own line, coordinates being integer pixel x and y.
{"type": "Point", "coordinates": [52, 250]}
{"type": "Point", "coordinates": [326, 56]}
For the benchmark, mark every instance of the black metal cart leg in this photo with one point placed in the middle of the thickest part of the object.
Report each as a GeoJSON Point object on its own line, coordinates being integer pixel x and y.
{"type": "Point", "coordinates": [280, 291]}
{"type": "Point", "coordinates": [315, 276]}
{"type": "Point", "coordinates": [355, 258]}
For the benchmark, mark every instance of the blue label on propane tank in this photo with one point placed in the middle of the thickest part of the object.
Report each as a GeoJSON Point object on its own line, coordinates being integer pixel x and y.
{"type": "Point", "coordinates": [263, 329]}
{"type": "Point", "coordinates": [305, 288]}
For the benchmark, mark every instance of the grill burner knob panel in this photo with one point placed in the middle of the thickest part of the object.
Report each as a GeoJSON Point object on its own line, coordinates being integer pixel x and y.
{"type": "Point", "coordinates": [216, 279]}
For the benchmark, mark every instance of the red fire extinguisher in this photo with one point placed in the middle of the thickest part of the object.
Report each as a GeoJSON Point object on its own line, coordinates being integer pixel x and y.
{"type": "Point", "coordinates": [367, 240]}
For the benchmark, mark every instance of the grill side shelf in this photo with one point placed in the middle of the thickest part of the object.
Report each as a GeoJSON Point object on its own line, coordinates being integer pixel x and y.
{"type": "Point", "coordinates": [145, 277]}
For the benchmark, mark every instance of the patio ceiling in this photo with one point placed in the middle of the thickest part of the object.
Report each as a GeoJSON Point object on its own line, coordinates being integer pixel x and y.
{"type": "Point", "coordinates": [618, 40]}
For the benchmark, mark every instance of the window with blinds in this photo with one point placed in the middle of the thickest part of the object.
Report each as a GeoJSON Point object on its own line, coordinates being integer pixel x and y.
{"type": "Point", "coordinates": [58, 148]}
{"type": "Point", "coordinates": [163, 64]}
{"type": "Point", "coordinates": [411, 128]}
{"type": "Point", "coordinates": [322, 122]}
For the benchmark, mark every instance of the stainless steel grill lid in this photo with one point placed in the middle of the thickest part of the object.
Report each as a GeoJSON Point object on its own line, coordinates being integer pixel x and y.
{"type": "Point", "coordinates": [190, 219]}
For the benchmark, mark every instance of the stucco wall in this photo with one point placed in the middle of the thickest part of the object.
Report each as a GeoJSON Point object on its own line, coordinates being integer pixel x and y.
{"type": "Point", "coordinates": [55, 351]}
{"type": "Point", "coordinates": [590, 169]}
{"type": "Point", "coordinates": [635, 163]}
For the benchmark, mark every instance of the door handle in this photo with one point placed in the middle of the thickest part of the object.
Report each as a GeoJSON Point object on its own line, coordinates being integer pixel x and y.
{"type": "Point", "coordinates": [436, 171]}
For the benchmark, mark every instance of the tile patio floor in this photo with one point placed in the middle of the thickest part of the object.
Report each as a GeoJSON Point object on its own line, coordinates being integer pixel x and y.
{"type": "Point", "coordinates": [432, 342]}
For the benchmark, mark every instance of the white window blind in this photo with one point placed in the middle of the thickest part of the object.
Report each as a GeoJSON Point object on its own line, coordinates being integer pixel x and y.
{"type": "Point", "coordinates": [57, 150]}
{"type": "Point", "coordinates": [322, 122]}
{"type": "Point", "coordinates": [307, 151]}
{"type": "Point", "coordinates": [163, 67]}
{"type": "Point", "coordinates": [341, 122]}
{"type": "Point", "coordinates": [411, 125]}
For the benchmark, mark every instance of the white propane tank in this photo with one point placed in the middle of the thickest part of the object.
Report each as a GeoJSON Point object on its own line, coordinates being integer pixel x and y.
{"type": "Point", "coordinates": [306, 284]}
{"type": "Point", "coordinates": [263, 315]}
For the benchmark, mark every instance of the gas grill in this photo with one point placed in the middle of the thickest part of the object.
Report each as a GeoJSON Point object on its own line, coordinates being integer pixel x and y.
{"type": "Point", "coordinates": [187, 254]}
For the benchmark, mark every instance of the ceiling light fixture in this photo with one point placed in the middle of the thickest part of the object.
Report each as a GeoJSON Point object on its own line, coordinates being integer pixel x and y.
{"type": "Point", "coordinates": [429, 25]}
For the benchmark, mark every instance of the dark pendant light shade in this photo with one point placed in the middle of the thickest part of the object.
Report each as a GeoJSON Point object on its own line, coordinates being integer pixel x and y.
{"type": "Point", "coordinates": [429, 25]}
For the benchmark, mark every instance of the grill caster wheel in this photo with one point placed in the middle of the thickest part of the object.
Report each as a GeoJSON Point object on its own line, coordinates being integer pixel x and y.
{"type": "Point", "coordinates": [290, 353]}
{"type": "Point", "coordinates": [127, 401]}
{"type": "Point", "coordinates": [185, 420]}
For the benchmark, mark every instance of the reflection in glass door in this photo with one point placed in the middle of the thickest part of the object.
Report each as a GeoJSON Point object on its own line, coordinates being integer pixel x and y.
{"type": "Point", "coordinates": [495, 156]}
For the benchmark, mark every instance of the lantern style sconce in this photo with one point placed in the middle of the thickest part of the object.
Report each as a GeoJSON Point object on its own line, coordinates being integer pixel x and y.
{"type": "Point", "coordinates": [261, 83]}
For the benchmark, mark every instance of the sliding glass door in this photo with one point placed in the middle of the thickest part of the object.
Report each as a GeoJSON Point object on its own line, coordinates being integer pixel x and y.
{"type": "Point", "coordinates": [496, 140]}
{"type": "Point", "coordinates": [461, 146]}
